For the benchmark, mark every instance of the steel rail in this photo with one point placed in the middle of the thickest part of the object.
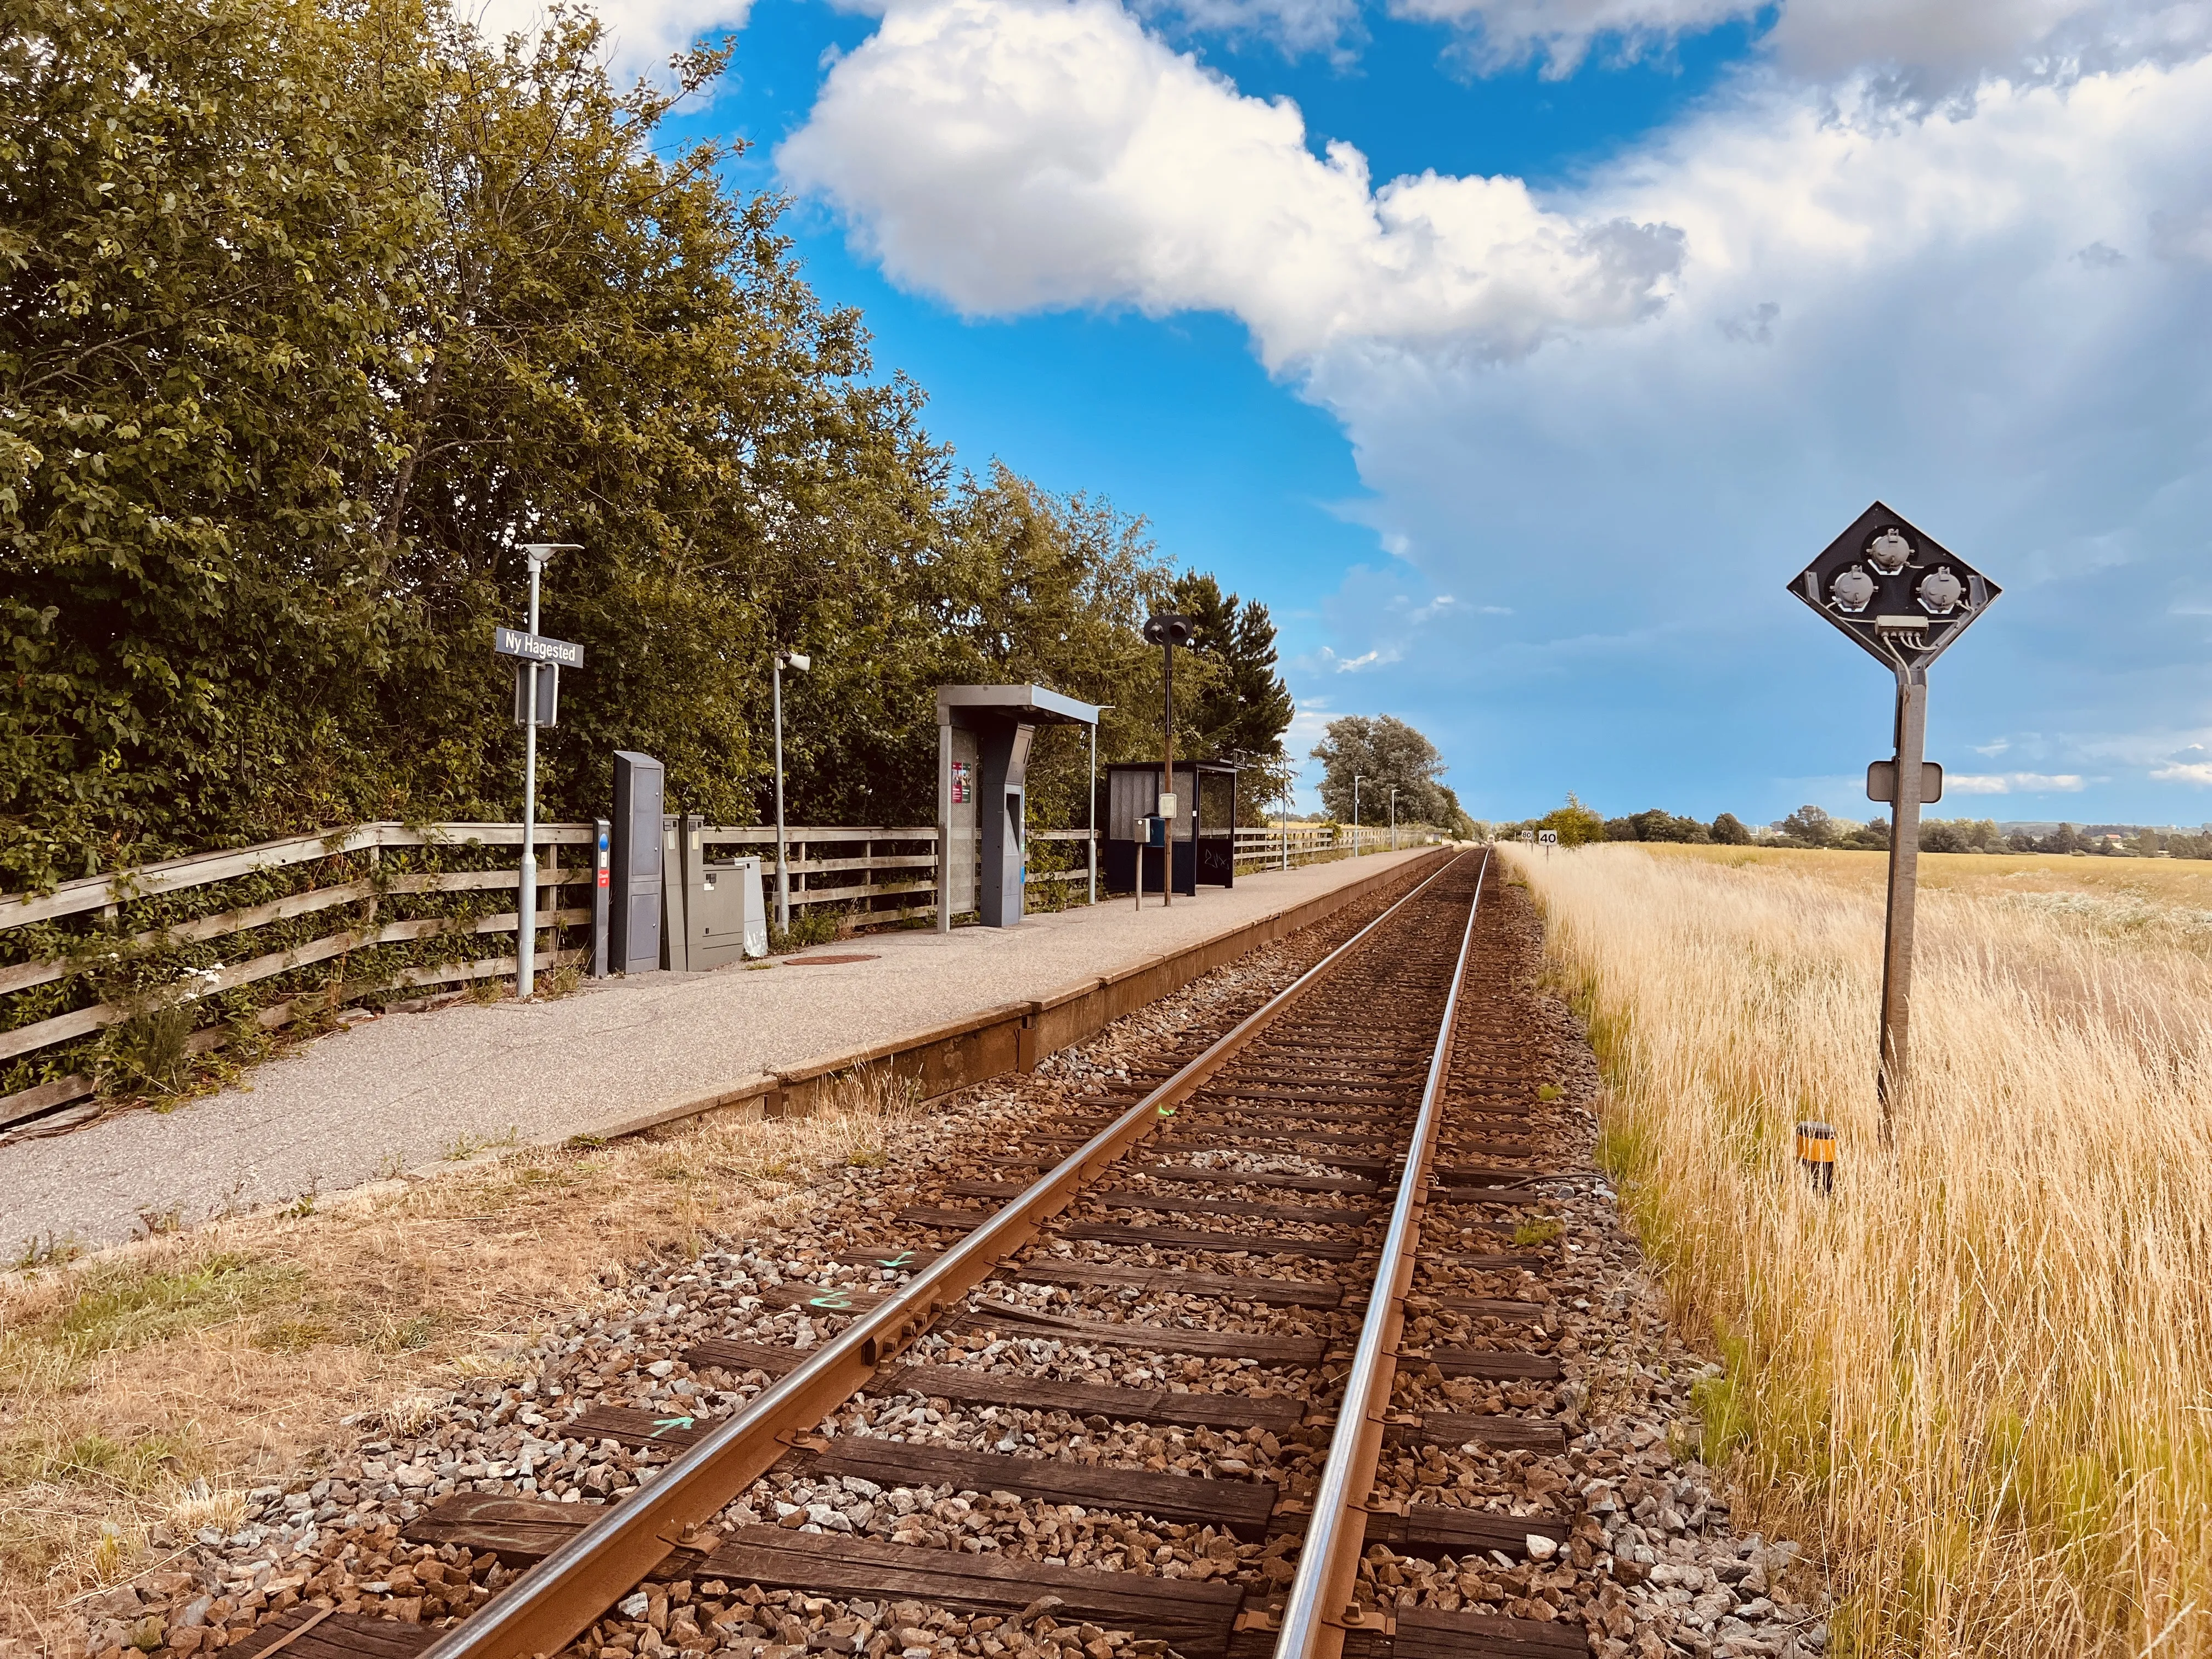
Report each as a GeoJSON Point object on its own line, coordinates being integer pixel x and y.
{"type": "Point", "coordinates": [553, 1602]}
{"type": "Point", "coordinates": [1320, 1610]}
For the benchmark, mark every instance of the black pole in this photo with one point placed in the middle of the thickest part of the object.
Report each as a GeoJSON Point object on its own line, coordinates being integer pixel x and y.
{"type": "Point", "coordinates": [1167, 771]}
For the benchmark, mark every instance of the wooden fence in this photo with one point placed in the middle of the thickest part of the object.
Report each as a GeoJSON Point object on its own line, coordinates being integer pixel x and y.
{"type": "Point", "coordinates": [105, 983]}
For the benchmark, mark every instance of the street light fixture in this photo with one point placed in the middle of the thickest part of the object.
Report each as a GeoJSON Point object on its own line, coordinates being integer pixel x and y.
{"type": "Point", "coordinates": [802, 662]}
{"type": "Point", "coordinates": [1393, 818]}
{"type": "Point", "coordinates": [1356, 781]}
{"type": "Point", "coordinates": [526, 898]}
{"type": "Point", "coordinates": [1167, 630]}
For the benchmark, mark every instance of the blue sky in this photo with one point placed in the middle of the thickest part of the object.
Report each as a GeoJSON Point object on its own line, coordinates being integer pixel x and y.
{"type": "Point", "coordinates": [1516, 352]}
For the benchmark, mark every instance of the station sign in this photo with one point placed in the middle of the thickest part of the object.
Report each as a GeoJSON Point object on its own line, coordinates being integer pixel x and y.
{"type": "Point", "coordinates": [536, 647]}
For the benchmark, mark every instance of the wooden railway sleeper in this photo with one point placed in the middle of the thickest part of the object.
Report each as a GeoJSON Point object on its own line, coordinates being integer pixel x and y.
{"type": "Point", "coordinates": [553, 1602]}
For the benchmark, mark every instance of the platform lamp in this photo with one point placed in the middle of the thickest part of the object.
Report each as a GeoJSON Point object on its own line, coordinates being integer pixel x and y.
{"type": "Point", "coordinates": [526, 898]}
{"type": "Point", "coordinates": [801, 662]}
{"type": "Point", "coordinates": [1393, 818]}
{"type": "Point", "coordinates": [1356, 781]}
{"type": "Point", "coordinates": [1168, 630]}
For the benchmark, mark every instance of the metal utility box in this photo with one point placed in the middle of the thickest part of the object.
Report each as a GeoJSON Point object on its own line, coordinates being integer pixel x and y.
{"type": "Point", "coordinates": [678, 849]}
{"type": "Point", "coordinates": [636, 865]}
{"type": "Point", "coordinates": [724, 916]}
{"type": "Point", "coordinates": [983, 735]}
{"type": "Point", "coordinates": [1203, 844]}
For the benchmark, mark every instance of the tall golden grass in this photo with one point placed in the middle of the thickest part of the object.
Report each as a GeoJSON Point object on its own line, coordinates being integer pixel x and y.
{"type": "Point", "coordinates": [1981, 1373]}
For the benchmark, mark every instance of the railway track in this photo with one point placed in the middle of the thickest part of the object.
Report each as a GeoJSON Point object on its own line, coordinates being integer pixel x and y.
{"type": "Point", "coordinates": [1202, 1350]}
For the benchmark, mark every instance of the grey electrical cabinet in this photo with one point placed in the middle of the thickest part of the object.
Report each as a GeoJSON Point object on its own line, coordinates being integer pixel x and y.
{"type": "Point", "coordinates": [675, 930]}
{"type": "Point", "coordinates": [726, 918]}
{"type": "Point", "coordinates": [635, 897]}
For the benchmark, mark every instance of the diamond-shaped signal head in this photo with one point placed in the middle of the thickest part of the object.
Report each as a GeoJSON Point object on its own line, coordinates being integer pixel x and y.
{"type": "Point", "coordinates": [1896, 590]}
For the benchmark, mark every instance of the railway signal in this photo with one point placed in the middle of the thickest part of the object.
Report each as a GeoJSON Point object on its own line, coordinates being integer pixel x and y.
{"type": "Point", "coordinates": [1903, 598]}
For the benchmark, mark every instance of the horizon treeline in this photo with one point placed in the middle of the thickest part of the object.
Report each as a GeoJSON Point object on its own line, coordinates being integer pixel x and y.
{"type": "Point", "coordinates": [313, 313]}
{"type": "Point", "coordinates": [1811, 826]}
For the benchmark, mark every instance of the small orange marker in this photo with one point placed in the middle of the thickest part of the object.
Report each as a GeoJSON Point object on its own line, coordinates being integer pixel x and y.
{"type": "Point", "coordinates": [1816, 1154]}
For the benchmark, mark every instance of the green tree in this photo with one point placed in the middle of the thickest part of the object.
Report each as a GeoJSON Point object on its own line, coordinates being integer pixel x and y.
{"type": "Point", "coordinates": [1808, 826]}
{"type": "Point", "coordinates": [1243, 709]}
{"type": "Point", "coordinates": [1380, 751]}
{"type": "Point", "coordinates": [1576, 823]}
{"type": "Point", "coordinates": [1730, 830]}
{"type": "Point", "coordinates": [310, 314]}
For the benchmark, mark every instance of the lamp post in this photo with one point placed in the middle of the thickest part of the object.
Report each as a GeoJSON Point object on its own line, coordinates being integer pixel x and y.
{"type": "Point", "coordinates": [1356, 781]}
{"type": "Point", "coordinates": [1393, 818]}
{"type": "Point", "coordinates": [782, 661]}
{"type": "Point", "coordinates": [525, 897]}
{"type": "Point", "coordinates": [1167, 630]}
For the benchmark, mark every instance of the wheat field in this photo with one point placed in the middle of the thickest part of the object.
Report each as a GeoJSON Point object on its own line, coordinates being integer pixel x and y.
{"type": "Point", "coordinates": [1978, 1375]}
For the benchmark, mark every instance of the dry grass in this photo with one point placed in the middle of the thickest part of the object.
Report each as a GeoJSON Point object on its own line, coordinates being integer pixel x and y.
{"type": "Point", "coordinates": [1982, 1371]}
{"type": "Point", "coordinates": [144, 1391]}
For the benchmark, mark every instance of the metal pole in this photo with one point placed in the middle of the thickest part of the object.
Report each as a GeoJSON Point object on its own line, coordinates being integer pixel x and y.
{"type": "Point", "coordinates": [1167, 783]}
{"type": "Point", "coordinates": [525, 897]}
{"type": "Point", "coordinates": [1356, 781]}
{"type": "Point", "coordinates": [1393, 818]}
{"type": "Point", "coordinates": [783, 862]}
{"type": "Point", "coordinates": [1091, 820]}
{"type": "Point", "coordinates": [1894, 1073]}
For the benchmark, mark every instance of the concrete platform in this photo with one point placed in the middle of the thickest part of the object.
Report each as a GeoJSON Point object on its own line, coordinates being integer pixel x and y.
{"type": "Point", "coordinates": [408, 1090]}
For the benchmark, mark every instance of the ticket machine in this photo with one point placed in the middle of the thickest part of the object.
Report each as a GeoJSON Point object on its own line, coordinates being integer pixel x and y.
{"type": "Point", "coordinates": [983, 736]}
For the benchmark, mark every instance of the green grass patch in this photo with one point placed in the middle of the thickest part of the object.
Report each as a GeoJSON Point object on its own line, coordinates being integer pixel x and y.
{"type": "Point", "coordinates": [127, 1306]}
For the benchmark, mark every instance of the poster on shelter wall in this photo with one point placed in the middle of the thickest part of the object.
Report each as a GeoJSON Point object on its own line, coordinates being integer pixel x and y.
{"type": "Point", "coordinates": [960, 786]}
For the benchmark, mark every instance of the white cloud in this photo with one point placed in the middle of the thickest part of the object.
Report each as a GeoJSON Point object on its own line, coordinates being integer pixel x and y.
{"type": "Point", "coordinates": [1929, 49]}
{"type": "Point", "coordinates": [641, 34]}
{"type": "Point", "coordinates": [1625, 438]}
{"type": "Point", "coordinates": [2184, 772]}
{"type": "Point", "coordinates": [1017, 154]}
{"type": "Point", "coordinates": [1374, 658]}
{"type": "Point", "coordinates": [2012, 783]}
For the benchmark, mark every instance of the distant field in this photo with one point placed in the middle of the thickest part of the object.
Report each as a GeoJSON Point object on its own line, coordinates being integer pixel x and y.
{"type": "Point", "coordinates": [1982, 1371]}
{"type": "Point", "coordinates": [2185, 882]}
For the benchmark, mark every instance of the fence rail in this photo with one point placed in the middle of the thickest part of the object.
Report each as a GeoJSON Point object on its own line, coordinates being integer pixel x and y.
{"type": "Point", "coordinates": [225, 944]}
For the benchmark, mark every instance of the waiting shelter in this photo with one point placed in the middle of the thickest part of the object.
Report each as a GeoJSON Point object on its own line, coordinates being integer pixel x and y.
{"type": "Point", "coordinates": [983, 735]}
{"type": "Point", "coordinates": [1201, 839]}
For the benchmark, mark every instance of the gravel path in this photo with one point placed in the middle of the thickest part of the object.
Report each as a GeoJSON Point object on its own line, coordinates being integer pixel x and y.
{"type": "Point", "coordinates": [405, 1092]}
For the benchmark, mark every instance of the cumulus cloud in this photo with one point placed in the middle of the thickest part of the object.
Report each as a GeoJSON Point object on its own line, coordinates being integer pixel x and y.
{"type": "Point", "coordinates": [1622, 412]}
{"type": "Point", "coordinates": [2184, 772]}
{"type": "Point", "coordinates": [1927, 48]}
{"type": "Point", "coordinates": [2013, 783]}
{"type": "Point", "coordinates": [1015, 155]}
{"type": "Point", "coordinates": [641, 34]}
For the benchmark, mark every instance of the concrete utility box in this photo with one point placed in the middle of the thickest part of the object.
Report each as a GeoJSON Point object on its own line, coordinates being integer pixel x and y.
{"type": "Point", "coordinates": [983, 735]}
{"type": "Point", "coordinates": [725, 916]}
{"type": "Point", "coordinates": [1204, 830]}
{"type": "Point", "coordinates": [635, 897]}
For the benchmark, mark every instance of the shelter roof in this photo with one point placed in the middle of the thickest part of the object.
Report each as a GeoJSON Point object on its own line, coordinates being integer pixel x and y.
{"type": "Point", "coordinates": [1031, 705]}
